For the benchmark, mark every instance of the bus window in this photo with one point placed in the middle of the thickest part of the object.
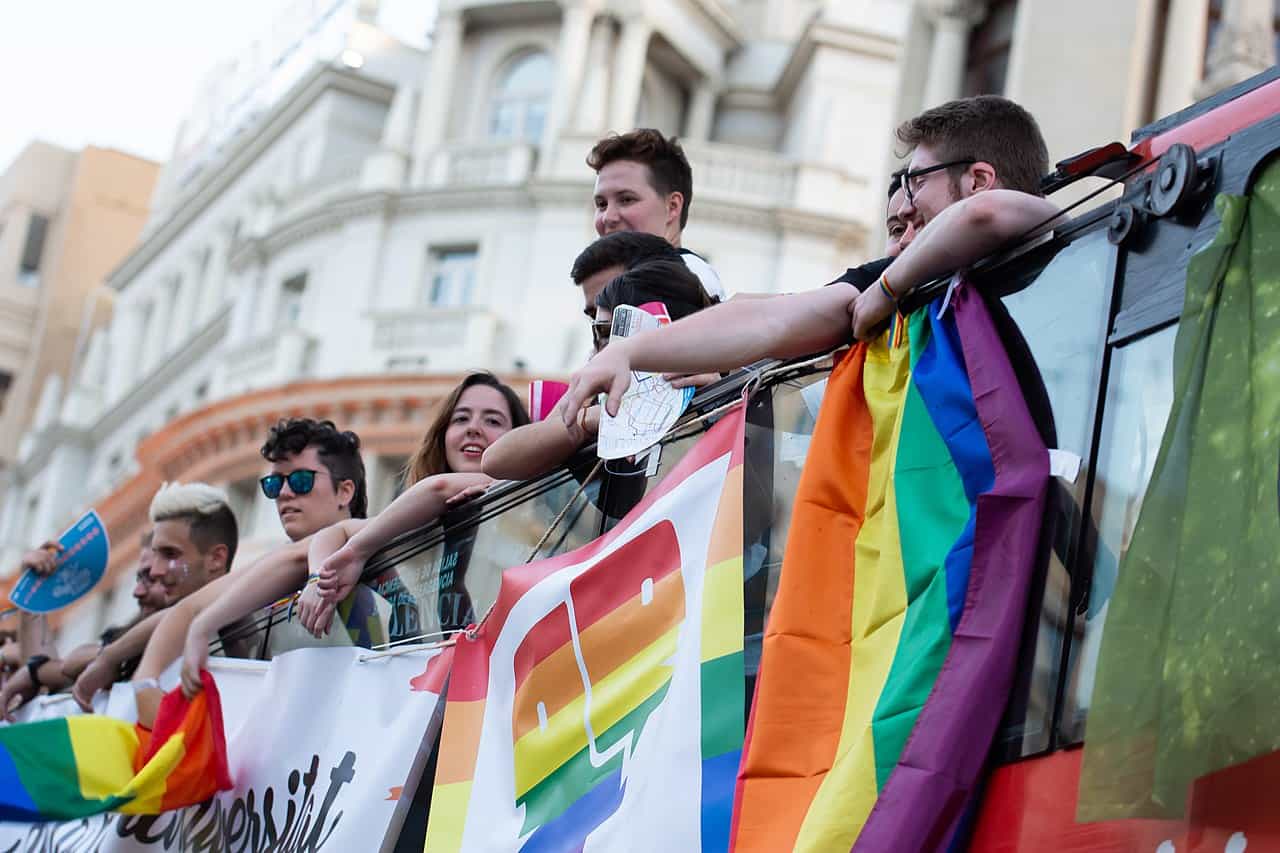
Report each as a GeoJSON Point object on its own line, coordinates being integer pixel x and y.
{"type": "Point", "coordinates": [1063, 316]}
{"type": "Point", "coordinates": [1139, 396]}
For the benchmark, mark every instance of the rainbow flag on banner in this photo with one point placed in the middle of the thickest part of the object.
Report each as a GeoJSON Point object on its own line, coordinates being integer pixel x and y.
{"type": "Point", "coordinates": [890, 649]}
{"type": "Point", "coordinates": [77, 766]}
{"type": "Point", "coordinates": [599, 706]}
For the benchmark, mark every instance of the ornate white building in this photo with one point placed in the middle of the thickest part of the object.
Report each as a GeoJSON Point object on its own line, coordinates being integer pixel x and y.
{"type": "Point", "coordinates": [350, 222]}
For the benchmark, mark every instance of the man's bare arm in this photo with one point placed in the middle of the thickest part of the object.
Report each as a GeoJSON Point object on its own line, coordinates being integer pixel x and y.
{"type": "Point", "coordinates": [966, 232]}
{"type": "Point", "coordinates": [958, 237]}
{"type": "Point", "coordinates": [724, 337]}
{"type": "Point", "coordinates": [267, 579]}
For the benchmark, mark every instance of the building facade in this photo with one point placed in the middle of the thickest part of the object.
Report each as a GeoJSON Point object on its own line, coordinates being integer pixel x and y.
{"type": "Point", "coordinates": [396, 215]}
{"type": "Point", "coordinates": [66, 219]}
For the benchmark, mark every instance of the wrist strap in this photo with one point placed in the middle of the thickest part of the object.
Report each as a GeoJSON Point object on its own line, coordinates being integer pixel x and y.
{"type": "Point", "coordinates": [883, 282]}
{"type": "Point", "coordinates": [33, 668]}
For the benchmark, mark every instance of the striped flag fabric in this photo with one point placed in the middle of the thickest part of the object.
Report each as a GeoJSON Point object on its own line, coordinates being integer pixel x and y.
{"type": "Point", "coordinates": [62, 769]}
{"type": "Point", "coordinates": [599, 706]}
{"type": "Point", "coordinates": [891, 645]}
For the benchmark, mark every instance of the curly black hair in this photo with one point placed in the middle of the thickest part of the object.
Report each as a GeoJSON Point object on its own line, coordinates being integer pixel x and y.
{"type": "Point", "coordinates": [339, 452]}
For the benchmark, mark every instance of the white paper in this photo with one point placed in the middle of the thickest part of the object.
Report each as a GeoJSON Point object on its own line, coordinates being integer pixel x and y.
{"type": "Point", "coordinates": [650, 405]}
{"type": "Point", "coordinates": [1064, 464]}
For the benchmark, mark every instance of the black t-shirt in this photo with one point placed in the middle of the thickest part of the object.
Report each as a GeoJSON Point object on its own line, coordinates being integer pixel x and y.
{"type": "Point", "coordinates": [864, 276]}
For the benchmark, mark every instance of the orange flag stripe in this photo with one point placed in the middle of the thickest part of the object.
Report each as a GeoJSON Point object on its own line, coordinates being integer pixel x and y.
{"type": "Point", "coordinates": [606, 645]}
{"type": "Point", "coordinates": [810, 626]}
{"type": "Point", "coordinates": [457, 762]}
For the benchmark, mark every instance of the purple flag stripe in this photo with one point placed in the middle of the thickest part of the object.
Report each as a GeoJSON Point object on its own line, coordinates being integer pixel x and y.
{"type": "Point", "coordinates": [923, 800]}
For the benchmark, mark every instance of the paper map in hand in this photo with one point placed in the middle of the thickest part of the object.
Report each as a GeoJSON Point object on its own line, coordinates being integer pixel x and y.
{"type": "Point", "coordinates": [650, 405]}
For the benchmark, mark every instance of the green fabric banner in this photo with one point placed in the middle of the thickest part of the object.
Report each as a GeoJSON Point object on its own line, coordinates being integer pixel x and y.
{"type": "Point", "coordinates": [1188, 678]}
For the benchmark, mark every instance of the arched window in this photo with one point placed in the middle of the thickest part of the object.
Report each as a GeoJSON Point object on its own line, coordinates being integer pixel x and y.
{"type": "Point", "coordinates": [521, 98]}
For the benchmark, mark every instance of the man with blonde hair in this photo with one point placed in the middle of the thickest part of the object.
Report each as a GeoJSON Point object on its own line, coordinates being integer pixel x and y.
{"type": "Point", "coordinates": [194, 538]}
{"type": "Point", "coordinates": [193, 542]}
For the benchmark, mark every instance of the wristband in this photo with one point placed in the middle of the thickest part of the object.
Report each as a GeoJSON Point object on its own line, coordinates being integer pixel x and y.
{"type": "Point", "coordinates": [33, 668]}
{"type": "Point", "coordinates": [310, 580]}
{"type": "Point", "coordinates": [883, 282]}
{"type": "Point", "coordinates": [146, 684]}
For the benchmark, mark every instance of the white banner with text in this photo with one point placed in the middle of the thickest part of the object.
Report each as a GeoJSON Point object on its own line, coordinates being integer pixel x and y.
{"type": "Point", "coordinates": [325, 747]}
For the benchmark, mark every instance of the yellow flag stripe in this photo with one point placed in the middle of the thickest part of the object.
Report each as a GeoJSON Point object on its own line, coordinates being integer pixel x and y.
{"type": "Point", "coordinates": [848, 792]}
{"type": "Point", "coordinates": [541, 751]}
{"type": "Point", "coordinates": [104, 749]}
{"type": "Point", "coordinates": [447, 818]}
{"type": "Point", "coordinates": [722, 609]}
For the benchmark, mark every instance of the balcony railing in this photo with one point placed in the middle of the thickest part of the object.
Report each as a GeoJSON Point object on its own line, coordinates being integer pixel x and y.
{"type": "Point", "coordinates": [483, 164]}
{"type": "Point", "coordinates": [439, 338]}
{"type": "Point", "coordinates": [741, 174]}
{"type": "Point", "coordinates": [279, 357]}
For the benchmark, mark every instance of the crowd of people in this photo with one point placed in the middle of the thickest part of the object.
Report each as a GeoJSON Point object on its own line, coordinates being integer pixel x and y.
{"type": "Point", "coordinates": [971, 186]}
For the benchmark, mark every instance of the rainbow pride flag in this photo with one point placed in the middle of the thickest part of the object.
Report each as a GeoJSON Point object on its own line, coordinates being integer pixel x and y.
{"type": "Point", "coordinates": [890, 649]}
{"type": "Point", "coordinates": [600, 704]}
{"type": "Point", "coordinates": [78, 766]}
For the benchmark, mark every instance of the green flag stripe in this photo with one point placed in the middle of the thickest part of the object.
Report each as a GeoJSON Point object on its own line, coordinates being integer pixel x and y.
{"type": "Point", "coordinates": [722, 700]}
{"type": "Point", "coordinates": [930, 492]}
{"type": "Point", "coordinates": [549, 798]}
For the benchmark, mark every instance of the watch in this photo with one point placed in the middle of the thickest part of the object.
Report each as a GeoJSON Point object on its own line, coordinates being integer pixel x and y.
{"type": "Point", "coordinates": [33, 668]}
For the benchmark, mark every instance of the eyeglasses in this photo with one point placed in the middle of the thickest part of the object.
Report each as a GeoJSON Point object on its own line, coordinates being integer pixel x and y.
{"type": "Point", "coordinates": [911, 179]}
{"type": "Point", "coordinates": [600, 330]}
{"type": "Point", "coordinates": [300, 482]}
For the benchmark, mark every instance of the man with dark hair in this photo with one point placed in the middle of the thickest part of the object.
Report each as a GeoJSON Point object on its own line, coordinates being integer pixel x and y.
{"type": "Point", "coordinates": [296, 443]}
{"type": "Point", "coordinates": [612, 255]}
{"type": "Point", "coordinates": [644, 183]}
{"type": "Point", "coordinates": [984, 129]}
{"type": "Point", "coordinates": [956, 222]}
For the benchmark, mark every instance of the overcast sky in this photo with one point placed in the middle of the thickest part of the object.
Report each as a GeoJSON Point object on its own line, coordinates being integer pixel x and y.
{"type": "Point", "coordinates": [116, 73]}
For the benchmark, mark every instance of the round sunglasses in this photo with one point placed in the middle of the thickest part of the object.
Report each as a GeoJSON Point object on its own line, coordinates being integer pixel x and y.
{"type": "Point", "coordinates": [300, 482]}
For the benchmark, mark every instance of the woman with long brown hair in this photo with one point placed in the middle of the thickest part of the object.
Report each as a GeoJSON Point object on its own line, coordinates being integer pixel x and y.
{"type": "Point", "coordinates": [446, 465]}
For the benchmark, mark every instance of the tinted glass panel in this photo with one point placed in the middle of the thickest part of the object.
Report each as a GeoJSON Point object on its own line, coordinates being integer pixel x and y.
{"type": "Point", "coordinates": [1063, 317]}
{"type": "Point", "coordinates": [446, 577]}
{"type": "Point", "coordinates": [1139, 396]}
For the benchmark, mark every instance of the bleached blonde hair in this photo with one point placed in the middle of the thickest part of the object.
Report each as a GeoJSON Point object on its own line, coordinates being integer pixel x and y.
{"type": "Point", "coordinates": [205, 508]}
{"type": "Point", "coordinates": [186, 500]}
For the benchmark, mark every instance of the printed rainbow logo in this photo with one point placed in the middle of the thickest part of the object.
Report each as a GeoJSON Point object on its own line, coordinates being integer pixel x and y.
{"type": "Point", "coordinates": [588, 676]}
{"type": "Point", "coordinates": [592, 677]}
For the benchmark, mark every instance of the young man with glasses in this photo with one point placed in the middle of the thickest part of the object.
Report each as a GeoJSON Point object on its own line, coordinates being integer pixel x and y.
{"type": "Point", "coordinates": [973, 180]}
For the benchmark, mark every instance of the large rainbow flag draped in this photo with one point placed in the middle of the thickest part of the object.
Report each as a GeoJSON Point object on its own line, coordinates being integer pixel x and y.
{"type": "Point", "coordinates": [599, 705]}
{"type": "Point", "coordinates": [890, 649]}
{"type": "Point", "coordinates": [78, 766]}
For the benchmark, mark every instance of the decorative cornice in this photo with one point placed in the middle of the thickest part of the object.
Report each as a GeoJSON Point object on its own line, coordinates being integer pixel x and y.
{"type": "Point", "coordinates": [171, 365]}
{"type": "Point", "coordinates": [821, 33]}
{"type": "Point", "coordinates": [252, 143]}
{"type": "Point", "coordinates": [843, 230]}
{"type": "Point", "coordinates": [968, 12]}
